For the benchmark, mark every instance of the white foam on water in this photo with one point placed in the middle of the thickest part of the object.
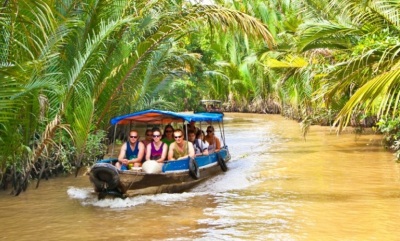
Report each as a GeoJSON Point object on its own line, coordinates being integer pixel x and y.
{"type": "Point", "coordinates": [79, 193]}
{"type": "Point", "coordinates": [234, 179]}
{"type": "Point", "coordinates": [88, 197]}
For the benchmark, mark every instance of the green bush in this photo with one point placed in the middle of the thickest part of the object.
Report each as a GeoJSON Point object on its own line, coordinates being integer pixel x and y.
{"type": "Point", "coordinates": [390, 128]}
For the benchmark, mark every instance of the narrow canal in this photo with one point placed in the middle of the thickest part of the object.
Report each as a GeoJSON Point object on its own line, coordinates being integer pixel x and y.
{"type": "Point", "coordinates": [278, 187]}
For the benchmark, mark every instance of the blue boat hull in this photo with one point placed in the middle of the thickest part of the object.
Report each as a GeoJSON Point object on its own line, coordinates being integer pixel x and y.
{"type": "Point", "coordinates": [175, 176]}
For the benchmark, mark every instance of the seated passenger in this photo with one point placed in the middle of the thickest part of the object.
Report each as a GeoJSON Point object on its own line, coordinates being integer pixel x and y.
{"type": "Point", "coordinates": [202, 108]}
{"type": "Point", "coordinates": [147, 139]}
{"type": "Point", "coordinates": [213, 141]}
{"type": "Point", "coordinates": [180, 148]}
{"type": "Point", "coordinates": [191, 136]}
{"type": "Point", "coordinates": [167, 137]}
{"type": "Point", "coordinates": [156, 150]}
{"type": "Point", "coordinates": [200, 145]}
{"type": "Point", "coordinates": [131, 154]}
{"type": "Point", "coordinates": [194, 127]}
{"type": "Point", "coordinates": [190, 127]}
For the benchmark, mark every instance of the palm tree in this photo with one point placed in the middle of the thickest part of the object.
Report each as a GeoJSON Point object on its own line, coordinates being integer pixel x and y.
{"type": "Point", "coordinates": [71, 65]}
{"type": "Point", "coordinates": [236, 76]}
{"type": "Point", "coordinates": [363, 36]}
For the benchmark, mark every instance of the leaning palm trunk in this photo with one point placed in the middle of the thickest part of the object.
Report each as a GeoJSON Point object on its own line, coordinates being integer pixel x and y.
{"type": "Point", "coordinates": [45, 141]}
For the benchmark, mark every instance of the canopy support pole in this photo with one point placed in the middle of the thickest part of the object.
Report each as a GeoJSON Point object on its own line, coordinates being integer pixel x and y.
{"type": "Point", "coordinates": [113, 145]}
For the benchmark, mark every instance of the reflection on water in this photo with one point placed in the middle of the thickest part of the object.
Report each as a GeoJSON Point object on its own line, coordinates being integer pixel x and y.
{"type": "Point", "coordinates": [278, 187]}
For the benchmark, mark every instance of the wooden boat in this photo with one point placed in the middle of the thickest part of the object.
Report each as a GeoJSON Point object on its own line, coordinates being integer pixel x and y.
{"type": "Point", "coordinates": [176, 176]}
{"type": "Point", "coordinates": [209, 106]}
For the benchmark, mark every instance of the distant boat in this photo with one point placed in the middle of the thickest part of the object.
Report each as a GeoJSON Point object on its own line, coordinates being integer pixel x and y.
{"type": "Point", "coordinates": [176, 175]}
{"type": "Point", "coordinates": [209, 106]}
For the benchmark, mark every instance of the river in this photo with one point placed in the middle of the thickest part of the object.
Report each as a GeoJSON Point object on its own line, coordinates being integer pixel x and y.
{"type": "Point", "coordinates": [278, 187]}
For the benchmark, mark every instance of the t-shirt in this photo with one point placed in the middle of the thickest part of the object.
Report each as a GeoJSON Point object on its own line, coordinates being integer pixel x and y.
{"type": "Point", "coordinates": [212, 147]}
{"type": "Point", "coordinates": [180, 153]}
{"type": "Point", "coordinates": [156, 154]}
{"type": "Point", "coordinates": [131, 154]}
{"type": "Point", "coordinates": [200, 146]}
{"type": "Point", "coordinates": [168, 142]}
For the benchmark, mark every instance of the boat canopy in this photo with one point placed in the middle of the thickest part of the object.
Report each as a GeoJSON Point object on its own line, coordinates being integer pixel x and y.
{"type": "Point", "coordinates": [211, 102]}
{"type": "Point", "coordinates": [165, 117]}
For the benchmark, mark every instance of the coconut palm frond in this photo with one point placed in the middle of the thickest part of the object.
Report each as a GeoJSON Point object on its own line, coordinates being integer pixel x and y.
{"type": "Point", "coordinates": [389, 10]}
{"type": "Point", "coordinates": [386, 84]}
{"type": "Point", "coordinates": [81, 126]}
{"type": "Point", "coordinates": [231, 18]}
{"type": "Point", "coordinates": [288, 62]}
{"type": "Point", "coordinates": [175, 27]}
{"type": "Point", "coordinates": [82, 71]}
{"type": "Point", "coordinates": [316, 35]}
{"type": "Point", "coordinates": [154, 103]}
{"type": "Point", "coordinates": [9, 87]}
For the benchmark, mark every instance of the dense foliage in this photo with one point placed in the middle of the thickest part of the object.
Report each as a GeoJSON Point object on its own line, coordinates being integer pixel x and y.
{"type": "Point", "coordinates": [67, 66]}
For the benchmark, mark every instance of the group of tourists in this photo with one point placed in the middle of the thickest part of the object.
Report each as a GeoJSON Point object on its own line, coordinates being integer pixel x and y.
{"type": "Point", "coordinates": [170, 145]}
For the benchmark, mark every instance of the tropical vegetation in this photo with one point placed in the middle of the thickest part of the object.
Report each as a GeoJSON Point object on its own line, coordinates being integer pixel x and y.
{"type": "Point", "coordinates": [67, 66]}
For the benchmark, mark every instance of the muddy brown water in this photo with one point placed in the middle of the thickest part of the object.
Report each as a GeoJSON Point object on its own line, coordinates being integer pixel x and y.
{"type": "Point", "coordinates": [278, 187]}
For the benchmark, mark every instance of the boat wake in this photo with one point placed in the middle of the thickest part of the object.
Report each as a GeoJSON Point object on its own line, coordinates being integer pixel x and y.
{"type": "Point", "coordinates": [87, 197]}
{"type": "Point", "coordinates": [217, 186]}
{"type": "Point", "coordinates": [238, 177]}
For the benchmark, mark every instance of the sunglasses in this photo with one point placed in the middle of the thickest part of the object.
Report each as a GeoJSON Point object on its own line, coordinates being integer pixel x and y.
{"type": "Point", "coordinates": [168, 131]}
{"type": "Point", "coordinates": [209, 131]}
{"type": "Point", "coordinates": [176, 137]}
{"type": "Point", "coordinates": [154, 136]}
{"type": "Point", "coordinates": [133, 137]}
{"type": "Point", "coordinates": [149, 134]}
